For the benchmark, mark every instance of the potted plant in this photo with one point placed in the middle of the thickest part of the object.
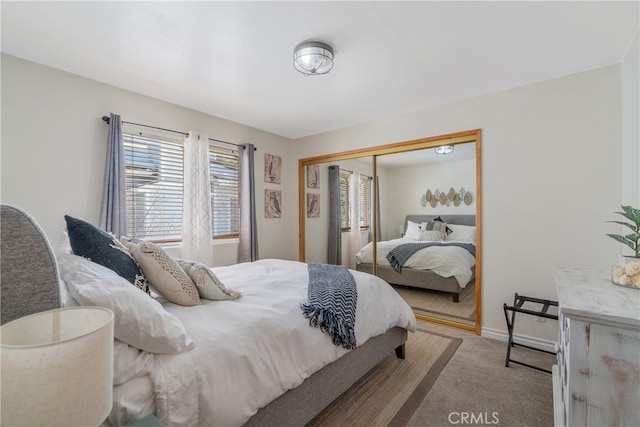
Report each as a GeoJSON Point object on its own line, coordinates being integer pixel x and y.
{"type": "Point", "coordinates": [628, 271]}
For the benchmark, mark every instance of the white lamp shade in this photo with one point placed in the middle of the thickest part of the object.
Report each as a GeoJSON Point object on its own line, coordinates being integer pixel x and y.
{"type": "Point", "coordinates": [57, 368]}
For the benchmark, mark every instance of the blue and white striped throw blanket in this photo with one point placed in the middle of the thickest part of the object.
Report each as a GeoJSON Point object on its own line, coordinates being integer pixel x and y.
{"type": "Point", "coordinates": [401, 253]}
{"type": "Point", "coordinates": [331, 303]}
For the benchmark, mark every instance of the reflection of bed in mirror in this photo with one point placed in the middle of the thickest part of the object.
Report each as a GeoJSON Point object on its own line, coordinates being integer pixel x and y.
{"type": "Point", "coordinates": [448, 268]}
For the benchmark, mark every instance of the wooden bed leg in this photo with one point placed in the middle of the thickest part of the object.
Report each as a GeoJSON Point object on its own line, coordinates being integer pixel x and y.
{"type": "Point", "coordinates": [455, 296]}
{"type": "Point", "coordinates": [400, 351]}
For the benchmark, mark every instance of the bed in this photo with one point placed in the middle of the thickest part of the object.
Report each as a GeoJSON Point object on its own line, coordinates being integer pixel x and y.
{"type": "Point", "coordinates": [251, 361]}
{"type": "Point", "coordinates": [447, 269]}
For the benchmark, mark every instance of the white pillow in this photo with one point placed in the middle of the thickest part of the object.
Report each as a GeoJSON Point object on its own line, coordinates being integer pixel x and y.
{"type": "Point", "coordinates": [462, 233]}
{"type": "Point", "coordinates": [139, 320]}
{"type": "Point", "coordinates": [413, 228]}
{"type": "Point", "coordinates": [129, 362]}
{"type": "Point", "coordinates": [207, 283]}
{"type": "Point", "coordinates": [431, 235]}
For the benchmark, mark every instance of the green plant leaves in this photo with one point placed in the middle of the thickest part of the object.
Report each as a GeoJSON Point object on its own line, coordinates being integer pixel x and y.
{"type": "Point", "coordinates": [623, 240]}
{"type": "Point", "coordinates": [631, 214]}
{"type": "Point", "coordinates": [631, 240]}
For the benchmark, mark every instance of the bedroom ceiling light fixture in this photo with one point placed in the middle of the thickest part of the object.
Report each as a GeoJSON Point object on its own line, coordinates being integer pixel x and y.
{"type": "Point", "coordinates": [313, 58]}
{"type": "Point", "coordinates": [444, 149]}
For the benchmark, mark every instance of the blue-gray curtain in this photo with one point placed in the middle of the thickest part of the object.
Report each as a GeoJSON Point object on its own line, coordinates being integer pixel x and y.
{"type": "Point", "coordinates": [113, 213]}
{"type": "Point", "coordinates": [248, 244]}
{"type": "Point", "coordinates": [377, 208]}
{"type": "Point", "coordinates": [334, 250]}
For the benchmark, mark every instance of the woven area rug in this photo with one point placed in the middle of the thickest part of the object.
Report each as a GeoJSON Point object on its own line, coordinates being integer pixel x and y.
{"type": "Point", "coordinates": [425, 301]}
{"type": "Point", "coordinates": [391, 392]}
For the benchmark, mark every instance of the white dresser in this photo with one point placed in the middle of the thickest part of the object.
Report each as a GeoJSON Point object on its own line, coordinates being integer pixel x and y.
{"type": "Point", "coordinates": [597, 379]}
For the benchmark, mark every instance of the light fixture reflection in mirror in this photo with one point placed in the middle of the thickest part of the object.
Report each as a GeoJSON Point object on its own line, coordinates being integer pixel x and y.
{"type": "Point", "coordinates": [444, 149]}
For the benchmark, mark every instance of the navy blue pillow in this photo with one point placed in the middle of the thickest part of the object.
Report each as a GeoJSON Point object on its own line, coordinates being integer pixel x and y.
{"type": "Point", "coordinates": [89, 241]}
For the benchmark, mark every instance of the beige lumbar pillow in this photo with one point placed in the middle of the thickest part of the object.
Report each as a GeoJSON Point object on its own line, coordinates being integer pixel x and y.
{"type": "Point", "coordinates": [164, 274]}
{"type": "Point", "coordinates": [208, 284]}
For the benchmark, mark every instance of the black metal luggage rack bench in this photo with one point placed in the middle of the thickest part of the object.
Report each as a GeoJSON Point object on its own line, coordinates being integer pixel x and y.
{"type": "Point", "coordinates": [518, 302]}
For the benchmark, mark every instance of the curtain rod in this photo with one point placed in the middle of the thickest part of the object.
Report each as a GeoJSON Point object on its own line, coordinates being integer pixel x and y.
{"type": "Point", "coordinates": [108, 119]}
{"type": "Point", "coordinates": [362, 174]}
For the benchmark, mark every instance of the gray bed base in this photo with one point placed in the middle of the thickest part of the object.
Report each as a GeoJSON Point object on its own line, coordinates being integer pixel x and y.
{"type": "Point", "coordinates": [424, 279]}
{"type": "Point", "coordinates": [298, 406]}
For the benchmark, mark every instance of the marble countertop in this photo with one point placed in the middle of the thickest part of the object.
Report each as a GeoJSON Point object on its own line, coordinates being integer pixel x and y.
{"type": "Point", "coordinates": [592, 293]}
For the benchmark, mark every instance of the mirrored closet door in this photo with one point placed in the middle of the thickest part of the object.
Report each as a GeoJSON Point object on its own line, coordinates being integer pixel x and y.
{"type": "Point", "coordinates": [437, 274]}
{"type": "Point", "coordinates": [388, 196]}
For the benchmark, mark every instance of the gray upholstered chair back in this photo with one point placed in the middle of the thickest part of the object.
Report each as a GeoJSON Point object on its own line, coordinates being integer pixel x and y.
{"type": "Point", "coordinates": [28, 270]}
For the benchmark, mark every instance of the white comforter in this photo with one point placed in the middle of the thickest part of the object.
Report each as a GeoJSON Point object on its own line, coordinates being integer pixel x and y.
{"type": "Point", "coordinates": [446, 261]}
{"type": "Point", "coordinates": [251, 350]}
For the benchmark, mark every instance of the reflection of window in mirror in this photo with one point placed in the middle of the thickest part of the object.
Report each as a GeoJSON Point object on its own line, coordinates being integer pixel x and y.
{"type": "Point", "coordinates": [346, 202]}
{"type": "Point", "coordinates": [345, 205]}
{"type": "Point", "coordinates": [365, 201]}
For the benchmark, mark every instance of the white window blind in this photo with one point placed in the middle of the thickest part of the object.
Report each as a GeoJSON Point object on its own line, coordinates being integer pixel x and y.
{"type": "Point", "coordinates": [154, 183]}
{"type": "Point", "coordinates": [224, 167]}
{"type": "Point", "coordinates": [345, 205]}
{"type": "Point", "coordinates": [365, 201]}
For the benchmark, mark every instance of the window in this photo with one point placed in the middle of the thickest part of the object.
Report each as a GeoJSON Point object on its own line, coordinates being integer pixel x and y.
{"type": "Point", "coordinates": [364, 204]}
{"type": "Point", "coordinates": [365, 201]}
{"type": "Point", "coordinates": [345, 199]}
{"type": "Point", "coordinates": [154, 178]}
{"type": "Point", "coordinates": [154, 182]}
{"type": "Point", "coordinates": [224, 167]}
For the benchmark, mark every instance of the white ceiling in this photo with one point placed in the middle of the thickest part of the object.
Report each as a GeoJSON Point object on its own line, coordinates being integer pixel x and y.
{"type": "Point", "coordinates": [234, 59]}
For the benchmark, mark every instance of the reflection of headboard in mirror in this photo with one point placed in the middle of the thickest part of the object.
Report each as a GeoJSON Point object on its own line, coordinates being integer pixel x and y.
{"type": "Point", "coordinates": [449, 219]}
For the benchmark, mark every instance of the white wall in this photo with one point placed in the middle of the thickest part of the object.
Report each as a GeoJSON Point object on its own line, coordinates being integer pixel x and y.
{"type": "Point", "coordinates": [551, 155]}
{"type": "Point", "coordinates": [630, 126]}
{"type": "Point", "coordinates": [54, 145]}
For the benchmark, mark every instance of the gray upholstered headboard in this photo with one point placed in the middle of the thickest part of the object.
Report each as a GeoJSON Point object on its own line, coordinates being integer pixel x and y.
{"type": "Point", "coordinates": [449, 219]}
{"type": "Point", "coordinates": [28, 270]}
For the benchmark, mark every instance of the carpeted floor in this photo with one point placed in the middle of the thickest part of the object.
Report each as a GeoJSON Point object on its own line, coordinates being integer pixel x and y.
{"type": "Point", "coordinates": [476, 383]}
{"type": "Point", "coordinates": [449, 377]}
{"type": "Point", "coordinates": [440, 304]}
{"type": "Point", "coordinates": [393, 390]}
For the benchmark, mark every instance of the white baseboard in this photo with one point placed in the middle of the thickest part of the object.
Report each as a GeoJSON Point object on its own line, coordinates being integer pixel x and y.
{"type": "Point", "coordinates": [522, 339]}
